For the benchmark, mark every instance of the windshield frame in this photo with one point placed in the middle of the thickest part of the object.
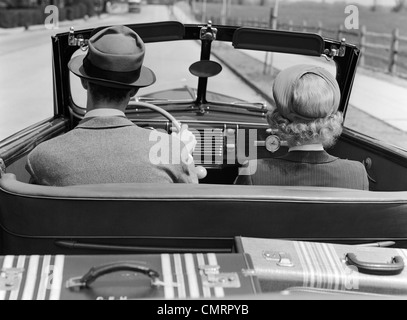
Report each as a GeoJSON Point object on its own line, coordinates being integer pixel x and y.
{"type": "Point", "coordinates": [64, 48]}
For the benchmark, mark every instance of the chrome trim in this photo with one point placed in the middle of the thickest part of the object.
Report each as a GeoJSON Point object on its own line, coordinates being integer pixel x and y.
{"type": "Point", "coordinates": [223, 123]}
{"type": "Point", "coordinates": [19, 135]}
{"type": "Point", "coordinates": [208, 32]}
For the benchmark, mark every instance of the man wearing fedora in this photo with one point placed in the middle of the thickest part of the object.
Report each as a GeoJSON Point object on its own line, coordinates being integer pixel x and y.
{"type": "Point", "coordinates": [106, 147]}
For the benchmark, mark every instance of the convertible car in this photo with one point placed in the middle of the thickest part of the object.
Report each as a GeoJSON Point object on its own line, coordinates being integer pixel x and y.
{"type": "Point", "coordinates": [231, 128]}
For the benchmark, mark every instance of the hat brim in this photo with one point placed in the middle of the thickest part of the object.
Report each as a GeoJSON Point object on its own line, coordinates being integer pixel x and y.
{"type": "Point", "coordinates": [147, 76]}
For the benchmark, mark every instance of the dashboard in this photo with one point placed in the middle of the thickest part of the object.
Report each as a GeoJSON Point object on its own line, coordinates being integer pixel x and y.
{"type": "Point", "coordinates": [222, 147]}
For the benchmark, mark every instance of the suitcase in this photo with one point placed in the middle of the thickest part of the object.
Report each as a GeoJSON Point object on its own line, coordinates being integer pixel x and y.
{"type": "Point", "coordinates": [165, 276]}
{"type": "Point", "coordinates": [294, 266]}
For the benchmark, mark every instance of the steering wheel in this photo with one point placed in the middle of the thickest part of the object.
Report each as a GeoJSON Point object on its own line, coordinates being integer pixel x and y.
{"type": "Point", "coordinates": [199, 170]}
{"type": "Point", "coordinates": [160, 110]}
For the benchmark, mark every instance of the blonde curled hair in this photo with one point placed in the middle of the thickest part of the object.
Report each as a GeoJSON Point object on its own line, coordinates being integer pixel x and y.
{"type": "Point", "coordinates": [324, 130]}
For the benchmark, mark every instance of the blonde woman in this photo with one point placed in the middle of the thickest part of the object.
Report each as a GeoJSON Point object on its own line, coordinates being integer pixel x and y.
{"type": "Point", "coordinates": [306, 116]}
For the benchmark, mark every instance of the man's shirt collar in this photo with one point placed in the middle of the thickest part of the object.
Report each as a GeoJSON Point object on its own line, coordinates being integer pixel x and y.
{"type": "Point", "coordinates": [309, 147]}
{"type": "Point", "coordinates": [104, 112]}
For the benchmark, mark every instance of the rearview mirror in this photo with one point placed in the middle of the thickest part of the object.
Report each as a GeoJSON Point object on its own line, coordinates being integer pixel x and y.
{"type": "Point", "coordinates": [205, 69]}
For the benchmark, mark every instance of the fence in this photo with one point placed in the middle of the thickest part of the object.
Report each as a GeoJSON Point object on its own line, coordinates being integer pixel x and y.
{"type": "Point", "coordinates": [380, 51]}
{"type": "Point", "coordinates": [25, 17]}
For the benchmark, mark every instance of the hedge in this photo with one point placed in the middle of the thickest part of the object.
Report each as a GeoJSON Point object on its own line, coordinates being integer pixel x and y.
{"type": "Point", "coordinates": [12, 18]}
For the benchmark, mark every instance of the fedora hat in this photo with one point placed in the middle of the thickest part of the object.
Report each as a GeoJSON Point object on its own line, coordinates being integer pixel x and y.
{"type": "Point", "coordinates": [114, 59]}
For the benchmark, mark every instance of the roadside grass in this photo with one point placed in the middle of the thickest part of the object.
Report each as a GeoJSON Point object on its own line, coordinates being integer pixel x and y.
{"type": "Point", "coordinates": [383, 20]}
{"type": "Point", "coordinates": [249, 67]}
{"type": "Point", "coordinates": [331, 15]}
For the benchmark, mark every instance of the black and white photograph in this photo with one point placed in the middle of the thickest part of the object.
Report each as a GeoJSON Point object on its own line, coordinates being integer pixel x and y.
{"type": "Point", "coordinates": [203, 157]}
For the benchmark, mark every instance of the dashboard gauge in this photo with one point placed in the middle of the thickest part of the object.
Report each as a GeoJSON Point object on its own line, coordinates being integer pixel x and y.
{"type": "Point", "coordinates": [273, 143]}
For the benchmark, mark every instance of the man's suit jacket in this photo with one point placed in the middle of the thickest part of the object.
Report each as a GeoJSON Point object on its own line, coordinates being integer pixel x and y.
{"type": "Point", "coordinates": [307, 168]}
{"type": "Point", "coordinates": [109, 150]}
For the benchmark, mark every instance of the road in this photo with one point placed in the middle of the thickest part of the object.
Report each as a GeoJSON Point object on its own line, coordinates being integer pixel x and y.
{"type": "Point", "coordinates": [26, 71]}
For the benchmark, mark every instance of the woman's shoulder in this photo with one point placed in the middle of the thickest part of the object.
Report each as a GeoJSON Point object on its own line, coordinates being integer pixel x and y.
{"type": "Point", "coordinates": [260, 167]}
{"type": "Point", "coordinates": [356, 165]}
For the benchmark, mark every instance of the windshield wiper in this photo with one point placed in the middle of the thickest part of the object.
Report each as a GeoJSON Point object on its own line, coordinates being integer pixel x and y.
{"type": "Point", "coordinates": [150, 100]}
{"type": "Point", "coordinates": [261, 105]}
{"type": "Point", "coordinates": [252, 106]}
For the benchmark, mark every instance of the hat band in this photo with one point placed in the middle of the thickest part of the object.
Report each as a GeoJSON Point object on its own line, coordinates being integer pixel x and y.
{"type": "Point", "coordinates": [123, 77]}
{"type": "Point", "coordinates": [297, 117]}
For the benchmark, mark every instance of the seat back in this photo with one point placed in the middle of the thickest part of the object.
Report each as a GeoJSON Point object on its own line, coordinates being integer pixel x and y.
{"type": "Point", "coordinates": [149, 217]}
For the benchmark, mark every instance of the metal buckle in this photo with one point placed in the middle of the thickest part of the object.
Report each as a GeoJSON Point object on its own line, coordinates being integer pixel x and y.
{"type": "Point", "coordinates": [282, 259]}
{"type": "Point", "coordinates": [329, 54]}
{"type": "Point", "coordinates": [208, 32]}
{"type": "Point", "coordinates": [158, 283]}
{"type": "Point", "coordinates": [10, 278]}
{"type": "Point", "coordinates": [77, 41]}
{"type": "Point", "coordinates": [212, 278]}
{"type": "Point", "coordinates": [75, 283]}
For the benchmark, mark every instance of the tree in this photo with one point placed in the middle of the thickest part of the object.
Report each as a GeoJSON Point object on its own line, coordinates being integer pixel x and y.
{"type": "Point", "coordinates": [400, 4]}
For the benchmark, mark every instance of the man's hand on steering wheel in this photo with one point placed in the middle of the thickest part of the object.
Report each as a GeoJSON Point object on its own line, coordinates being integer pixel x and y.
{"type": "Point", "coordinates": [181, 132]}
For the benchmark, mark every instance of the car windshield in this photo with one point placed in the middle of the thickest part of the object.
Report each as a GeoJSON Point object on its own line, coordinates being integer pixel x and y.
{"type": "Point", "coordinates": [171, 62]}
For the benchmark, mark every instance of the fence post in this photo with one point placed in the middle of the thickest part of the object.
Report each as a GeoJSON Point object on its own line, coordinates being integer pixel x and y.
{"type": "Point", "coordinates": [229, 9]}
{"type": "Point", "coordinates": [362, 36]}
{"type": "Point", "coordinates": [340, 32]}
{"type": "Point", "coordinates": [204, 11]}
{"type": "Point", "coordinates": [395, 44]}
{"type": "Point", "coordinates": [274, 17]}
{"type": "Point", "coordinates": [320, 27]}
{"type": "Point", "coordinates": [268, 59]}
{"type": "Point", "coordinates": [223, 13]}
{"type": "Point", "coordinates": [290, 25]}
{"type": "Point", "coordinates": [304, 26]}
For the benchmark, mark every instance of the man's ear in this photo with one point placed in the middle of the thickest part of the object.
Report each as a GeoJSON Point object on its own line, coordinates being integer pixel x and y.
{"type": "Point", "coordinates": [85, 84]}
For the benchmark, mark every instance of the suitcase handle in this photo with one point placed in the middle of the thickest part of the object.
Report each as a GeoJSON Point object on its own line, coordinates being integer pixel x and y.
{"type": "Point", "coordinates": [96, 272]}
{"type": "Point", "coordinates": [384, 269]}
